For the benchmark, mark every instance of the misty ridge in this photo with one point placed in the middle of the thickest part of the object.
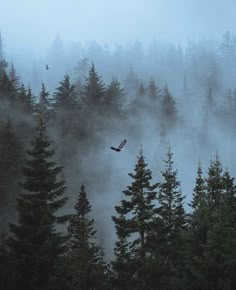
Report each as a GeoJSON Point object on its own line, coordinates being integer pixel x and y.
{"type": "Point", "coordinates": [176, 106]}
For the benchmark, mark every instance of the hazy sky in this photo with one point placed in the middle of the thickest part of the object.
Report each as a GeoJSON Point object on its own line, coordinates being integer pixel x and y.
{"type": "Point", "coordinates": [36, 22]}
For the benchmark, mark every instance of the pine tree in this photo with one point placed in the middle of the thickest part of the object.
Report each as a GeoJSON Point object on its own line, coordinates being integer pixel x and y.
{"type": "Point", "coordinates": [199, 193]}
{"type": "Point", "coordinates": [168, 108]}
{"type": "Point", "coordinates": [214, 187]}
{"type": "Point", "coordinates": [10, 159]}
{"type": "Point", "coordinates": [172, 214]}
{"type": "Point", "coordinates": [3, 63]}
{"type": "Point", "coordinates": [85, 257]}
{"type": "Point", "coordinates": [8, 90]}
{"type": "Point", "coordinates": [65, 97]}
{"type": "Point", "coordinates": [153, 91]}
{"type": "Point", "coordinates": [66, 106]}
{"type": "Point", "coordinates": [43, 107]}
{"type": "Point", "coordinates": [197, 232]}
{"type": "Point", "coordinates": [35, 244]}
{"type": "Point", "coordinates": [114, 98]}
{"type": "Point", "coordinates": [25, 100]}
{"type": "Point", "coordinates": [122, 265]}
{"type": "Point", "coordinates": [94, 89]}
{"type": "Point", "coordinates": [138, 212]}
{"type": "Point", "coordinates": [212, 231]}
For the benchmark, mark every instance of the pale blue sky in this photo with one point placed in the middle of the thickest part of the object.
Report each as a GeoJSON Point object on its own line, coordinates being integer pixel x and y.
{"type": "Point", "coordinates": [36, 22]}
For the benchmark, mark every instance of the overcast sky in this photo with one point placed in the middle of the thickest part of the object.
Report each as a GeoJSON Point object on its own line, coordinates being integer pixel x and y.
{"type": "Point", "coordinates": [36, 22]}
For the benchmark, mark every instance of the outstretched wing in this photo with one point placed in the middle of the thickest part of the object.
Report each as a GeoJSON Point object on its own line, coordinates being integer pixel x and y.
{"type": "Point", "coordinates": [122, 144]}
{"type": "Point", "coordinates": [113, 148]}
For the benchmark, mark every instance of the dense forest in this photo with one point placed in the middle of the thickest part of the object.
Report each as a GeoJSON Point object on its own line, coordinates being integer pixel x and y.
{"type": "Point", "coordinates": [161, 214]}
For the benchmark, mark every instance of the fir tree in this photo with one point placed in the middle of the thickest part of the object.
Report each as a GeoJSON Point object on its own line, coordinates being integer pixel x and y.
{"type": "Point", "coordinates": [139, 211]}
{"type": "Point", "coordinates": [172, 214]}
{"type": "Point", "coordinates": [65, 97]}
{"type": "Point", "coordinates": [8, 90]}
{"type": "Point", "coordinates": [86, 264]}
{"type": "Point", "coordinates": [168, 108]}
{"type": "Point", "coordinates": [25, 100]}
{"type": "Point", "coordinates": [35, 243]}
{"type": "Point", "coordinates": [66, 106]}
{"type": "Point", "coordinates": [94, 89]}
{"type": "Point", "coordinates": [114, 97]}
{"type": "Point", "coordinates": [43, 107]}
{"type": "Point", "coordinates": [122, 265]}
{"type": "Point", "coordinates": [10, 159]}
{"type": "Point", "coordinates": [153, 91]}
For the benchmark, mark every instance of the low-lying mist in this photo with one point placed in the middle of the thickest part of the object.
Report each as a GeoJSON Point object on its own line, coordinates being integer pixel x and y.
{"type": "Point", "coordinates": [198, 78]}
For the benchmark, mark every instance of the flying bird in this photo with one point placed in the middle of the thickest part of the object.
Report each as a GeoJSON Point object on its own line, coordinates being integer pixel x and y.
{"type": "Point", "coordinates": [122, 144]}
{"type": "Point", "coordinates": [47, 68]}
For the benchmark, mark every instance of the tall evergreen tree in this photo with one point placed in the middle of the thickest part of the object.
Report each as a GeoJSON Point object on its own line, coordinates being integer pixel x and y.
{"type": "Point", "coordinates": [168, 108]}
{"type": "Point", "coordinates": [25, 100]}
{"type": "Point", "coordinates": [87, 269]}
{"type": "Point", "coordinates": [94, 89]}
{"type": "Point", "coordinates": [34, 241]}
{"type": "Point", "coordinates": [65, 97]}
{"type": "Point", "coordinates": [44, 106]}
{"type": "Point", "coordinates": [122, 265]}
{"type": "Point", "coordinates": [10, 159]}
{"type": "Point", "coordinates": [172, 213]}
{"type": "Point", "coordinates": [114, 97]}
{"type": "Point", "coordinates": [66, 106]}
{"type": "Point", "coordinates": [139, 210]}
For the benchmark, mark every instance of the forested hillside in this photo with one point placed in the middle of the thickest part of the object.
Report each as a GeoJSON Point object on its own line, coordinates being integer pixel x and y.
{"type": "Point", "coordinates": [160, 214]}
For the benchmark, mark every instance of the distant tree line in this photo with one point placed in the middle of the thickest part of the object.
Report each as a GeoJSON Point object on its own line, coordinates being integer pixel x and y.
{"type": "Point", "coordinates": [158, 244]}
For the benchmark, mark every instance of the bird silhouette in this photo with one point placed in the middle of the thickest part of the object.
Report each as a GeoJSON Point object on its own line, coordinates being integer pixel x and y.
{"type": "Point", "coordinates": [47, 68]}
{"type": "Point", "coordinates": [120, 147]}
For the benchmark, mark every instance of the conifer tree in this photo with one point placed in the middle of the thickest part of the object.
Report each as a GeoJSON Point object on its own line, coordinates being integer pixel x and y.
{"type": "Point", "coordinates": [114, 97]}
{"type": "Point", "coordinates": [139, 211]}
{"type": "Point", "coordinates": [43, 107]}
{"type": "Point", "coordinates": [198, 229]}
{"type": "Point", "coordinates": [122, 265]}
{"type": "Point", "coordinates": [172, 214]}
{"type": "Point", "coordinates": [153, 91]}
{"type": "Point", "coordinates": [35, 244]}
{"type": "Point", "coordinates": [8, 90]}
{"type": "Point", "coordinates": [65, 97]}
{"type": "Point", "coordinates": [94, 89]}
{"type": "Point", "coordinates": [10, 159]}
{"type": "Point", "coordinates": [168, 108]}
{"type": "Point", "coordinates": [87, 269]}
{"type": "Point", "coordinates": [66, 106]}
{"type": "Point", "coordinates": [25, 99]}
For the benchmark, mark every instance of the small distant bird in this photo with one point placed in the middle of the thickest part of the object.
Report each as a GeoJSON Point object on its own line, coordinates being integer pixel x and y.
{"type": "Point", "coordinates": [122, 144]}
{"type": "Point", "coordinates": [47, 68]}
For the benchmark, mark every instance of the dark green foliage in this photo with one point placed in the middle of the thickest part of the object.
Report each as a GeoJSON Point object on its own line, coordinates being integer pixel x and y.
{"type": "Point", "coordinates": [10, 159]}
{"type": "Point", "coordinates": [25, 100]}
{"type": "Point", "coordinates": [65, 97]}
{"type": "Point", "coordinates": [34, 241]}
{"type": "Point", "coordinates": [94, 90]}
{"type": "Point", "coordinates": [7, 279]}
{"type": "Point", "coordinates": [173, 217]}
{"type": "Point", "coordinates": [44, 107]}
{"type": "Point", "coordinates": [8, 90]}
{"type": "Point", "coordinates": [87, 269]}
{"type": "Point", "coordinates": [212, 232]}
{"type": "Point", "coordinates": [133, 225]}
{"type": "Point", "coordinates": [66, 106]}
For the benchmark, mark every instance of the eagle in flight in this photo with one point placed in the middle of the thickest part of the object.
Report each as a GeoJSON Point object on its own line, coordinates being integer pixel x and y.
{"type": "Point", "coordinates": [122, 144]}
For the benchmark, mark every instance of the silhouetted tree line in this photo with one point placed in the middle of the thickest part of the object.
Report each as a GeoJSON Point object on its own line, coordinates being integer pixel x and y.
{"type": "Point", "coordinates": [158, 246]}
